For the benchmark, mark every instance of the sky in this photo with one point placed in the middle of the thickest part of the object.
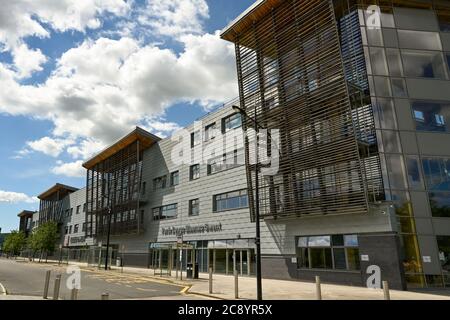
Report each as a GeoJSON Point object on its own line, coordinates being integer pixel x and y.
{"type": "Point", "coordinates": [77, 75]}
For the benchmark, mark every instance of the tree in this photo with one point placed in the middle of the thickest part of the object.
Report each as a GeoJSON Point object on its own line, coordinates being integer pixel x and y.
{"type": "Point", "coordinates": [14, 243]}
{"type": "Point", "coordinates": [44, 238]}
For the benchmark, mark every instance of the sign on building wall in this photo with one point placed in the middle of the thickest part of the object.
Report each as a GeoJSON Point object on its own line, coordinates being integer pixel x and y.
{"type": "Point", "coordinates": [200, 229]}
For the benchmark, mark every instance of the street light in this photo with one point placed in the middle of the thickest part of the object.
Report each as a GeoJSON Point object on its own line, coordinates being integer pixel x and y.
{"type": "Point", "coordinates": [257, 215]}
{"type": "Point", "coordinates": [109, 227]}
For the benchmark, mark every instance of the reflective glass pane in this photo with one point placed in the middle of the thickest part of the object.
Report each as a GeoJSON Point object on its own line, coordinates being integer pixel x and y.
{"type": "Point", "coordinates": [396, 171]}
{"type": "Point", "coordinates": [338, 240]}
{"type": "Point", "coordinates": [419, 40]}
{"type": "Point", "coordinates": [399, 88]}
{"type": "Point", "coordinates": [321, 241]}
{"type": "Point", "coordinates": [320, 258]}
{"type": "Point", "coordinates": [379, 63]}
{"type": "Point", "coordinates": [440, 204]}
{"type": "Point", "coordinates": [382, 86]}
{"type": "Point", "coordinates": [423, 64]}
{"type": "Point", "coordinates": [339, 258]}
{"type": "Point", "coordinates": [351, 240]}
{"type": "Point", "coordinates": [394, 62]}
{"type": "Point", "coordinates": [414, 175]}
{"type": "Point", "coordinates": [437, 173]}
{"type": "Point", "coordinates": [353, 259]}
{"type": "Point", "coordinates": [431, 116]}
{"type": "Point", "coordinates": [302, 242]}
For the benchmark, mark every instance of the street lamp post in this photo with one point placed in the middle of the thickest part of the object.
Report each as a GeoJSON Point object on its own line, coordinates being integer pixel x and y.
{"type": "Point", "coordinates": [257, 214]}
{"type": "Point", "coordinates": [108, 236]}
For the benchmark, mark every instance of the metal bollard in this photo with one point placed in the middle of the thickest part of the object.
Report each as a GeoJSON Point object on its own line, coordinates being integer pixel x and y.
{"type": "Point", "coordinates": [236, 284]}
{"type": "Point", "coordinates": [318, 289]}
{"type": "Point", "coordinates": [105, 296]}
{"type": "Point", "coordinates": [46, 284]}
{"type": "Point", "coordinates": [210, 280]}
{"type": "Point", "coordinates": [56, 288]}
{"type": "Point", "coordinates": [387, 294]}
{"type": "Point", "coordinates": [74, 294]}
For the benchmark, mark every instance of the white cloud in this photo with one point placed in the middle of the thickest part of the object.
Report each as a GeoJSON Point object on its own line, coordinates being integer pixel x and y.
{"type": "Point", "coordinates": [174, 18]}
{"type": "Point", "coordinates": [15, 197]}
{"type": "Point", "coordinates": [23, 18]}
{"type": "Point", "coordinates": [86, 149]}
{"type": "Point", "coordinates": [102, 89]}
{"type": "Point", "coordinates": [49, 146]}
{"type": "Point", "coordinates": [71, 169]}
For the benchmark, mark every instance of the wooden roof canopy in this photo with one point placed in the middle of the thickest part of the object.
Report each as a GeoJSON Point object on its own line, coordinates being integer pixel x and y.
{"type": "Point", "coordinates": [64, 189]}
{"type": "Point", "coordinates": [254, 13]}
{"type": "Point", "coordinates": [146, 140]}
{"type": "Point", "coordinates": [26, 213]}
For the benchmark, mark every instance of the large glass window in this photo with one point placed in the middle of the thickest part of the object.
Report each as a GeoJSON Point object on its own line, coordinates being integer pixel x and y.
{"type": "Point", "coordinates": [423, 64]}
{"type": "Point", "coordinates": [230, 201]}
{"type": "Point", "coordinates": [431, 116]}
{"type": "Point", "coordinates": [419, 40]}
{"type": "Point", "coordinates": [159, 183]}
{"type": "Point", "coordinates": [444, 253]}
{"type": "Point", "coordinates": [339, 252]}
{"type": "Point", "coordinates": [379, 63]}
{"type": "Point", "coordinates": [196, 138]}
{"type": "Point", "coordinates": [194, 172]}
{"type": "Point", "coordinates": [175, 178]}
{"type": "Point", "coordinates": [226, 161]}
{"type": "Point", "coordinates": [231, 122]}
{"type": "Point", "coordinates": [437, 173]}
{"type": "Point", "coordinates": [165, 212]}
{"type": "Point", "coordinates": [194, 207]}
{"type": "Point", "coordinates": [440, 204]}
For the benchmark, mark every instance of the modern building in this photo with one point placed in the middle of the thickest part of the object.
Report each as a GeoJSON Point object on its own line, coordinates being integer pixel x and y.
{"type": "Point", "coordinates": [25, 224]}
{"type": "Point", "coordinates": [359, 98]}
{"type": "Point", "coordinates": [360, 93]}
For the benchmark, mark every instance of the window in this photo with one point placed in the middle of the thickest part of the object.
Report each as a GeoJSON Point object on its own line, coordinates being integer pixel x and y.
{"type": "Point", "coordinates": [75, 228]}
{"type": "Point", "coordinates": [227, 161]}
{"type": "Point", "coordinates": [84, 227]}
{"type": "Point", "coordinates": [144, 187]}
{"type": "Point", "coordinates": [431, 116]}
{"type": "Point", "coordinates": [339, 252]}
{"type": "Point", "coordinates": [440, 204]}
{"type": "Point", "coordinates": [210, 132]}
{"type": "Point", "coordinates": [437, 173]}
{"type": "Point", "coordinates": [231, 122]}
{"type": "Point", "coordinates": [194, 172]}
{"type": "Point", "coordinates": [414, 176]}
{"type": "Point", "coordinates": [194, 207]}
{"type": "Point", "coordinates": [423, 64]}
{"type": "Point", "coordinates": [379, 62]}
{"type": "Point", "coordinates": [444, 20]}
{"type": "Point", "coordinates": [71, 212]}
{"type": "Point", "coordinates": [78, 209]}
{"type": "Point", "coordinates": [175, 178]}
{"type": "Point", "coordinates": [444, 253]}
{"type": "Point", "coordinates": [159, 183]}
{"type": "Point", "coordinates": [165, 212]}
{"type": "Point", "coordinates": [196, 138]}
{"type": "Point", "coordinates": [84, 207]}
{"type": "Point", "coordinates": [70, 229]}
{"type": "Point", "coordinates": [419, 40]}
{"type": "Point", "coordinates": [230, 201]}
{"type": "Point", "coordinates": [66, 230]}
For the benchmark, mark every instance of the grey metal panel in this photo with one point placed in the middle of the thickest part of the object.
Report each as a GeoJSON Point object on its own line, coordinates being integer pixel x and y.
{"type": "Point", "coordinates": [415, 19]}
{"type": "Point", "coordinates": [428, 248]}
{"type": "Point", "coordinates": [445, 39]}
{"type": "Point", "coordinates": [424, 226]}
{"type": "Point", "coordinates": [409, 142]}
{"type": "Point", "coordinates": [404, 115]}
{"type": "Point", "coordinates": [428, 89]}
{"type": "Point", "coordinates": [420, 204]}
{"type": "Point", "coordinates": [390, 38]}
{"type": "Point", "coordinates": [441, 226]}
{"type": "Point", "coordinates": [434, 144]}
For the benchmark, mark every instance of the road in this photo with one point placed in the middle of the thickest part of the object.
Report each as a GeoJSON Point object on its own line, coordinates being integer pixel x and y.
{"type": "Point", "coordinates": [23, 278]}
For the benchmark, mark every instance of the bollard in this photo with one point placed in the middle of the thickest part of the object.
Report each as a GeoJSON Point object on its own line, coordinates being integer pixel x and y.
{"type": "Point", "coordinates": [210, 280]}
{"type": "Point", "coordinates": [387, 295]}
{"type": "Point", "coordinates": [74, 294]}
{"type": "Point", "coordinates": [105, 296]}
{"type": "Point", "coordinates": [46, 284]}
{"type": "Point", "coordinates": [56, 288]}
{"type": "Point", "coordinates": [318, 289]}
{"type": "Point", "coordinates": [236, 285]}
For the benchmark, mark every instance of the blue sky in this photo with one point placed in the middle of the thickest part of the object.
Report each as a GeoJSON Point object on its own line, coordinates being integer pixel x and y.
{"type": "Point", "coordinates": [74, 77]}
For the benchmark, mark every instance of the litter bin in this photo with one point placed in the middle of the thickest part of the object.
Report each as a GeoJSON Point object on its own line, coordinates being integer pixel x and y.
{"type": "Point", "coordinates": [190, 272]}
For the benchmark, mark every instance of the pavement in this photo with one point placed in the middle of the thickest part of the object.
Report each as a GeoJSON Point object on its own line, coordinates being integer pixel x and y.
{"type": "Point", "coordinates": [223, 287]}
{"type": "Point", "coordinates": [23, 280]}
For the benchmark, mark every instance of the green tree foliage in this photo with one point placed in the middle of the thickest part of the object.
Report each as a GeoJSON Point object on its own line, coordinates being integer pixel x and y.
{"type": "Point", "coordinates": [44, 238]}
{"type": "Point", "coordinates": [14, 243]}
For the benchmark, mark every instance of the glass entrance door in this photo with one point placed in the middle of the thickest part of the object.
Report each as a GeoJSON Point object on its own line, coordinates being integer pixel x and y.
{"type": "Point", "coordinates": [242, 262]}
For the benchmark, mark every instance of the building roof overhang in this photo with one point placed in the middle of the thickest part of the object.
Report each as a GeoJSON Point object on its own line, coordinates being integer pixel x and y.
{"type": "Point", "coordinates": [57, 187]}
{"type": "Point", "coordinates": [145, 138]}
{"type": "Point", "coordinates": [26, 213]}
{"type": "Point", "coordinates": [255, 12]}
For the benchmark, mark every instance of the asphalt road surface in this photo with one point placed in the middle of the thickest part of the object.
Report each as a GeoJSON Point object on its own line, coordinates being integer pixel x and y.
{"type": "Point", "coordinates": [23, 278]}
